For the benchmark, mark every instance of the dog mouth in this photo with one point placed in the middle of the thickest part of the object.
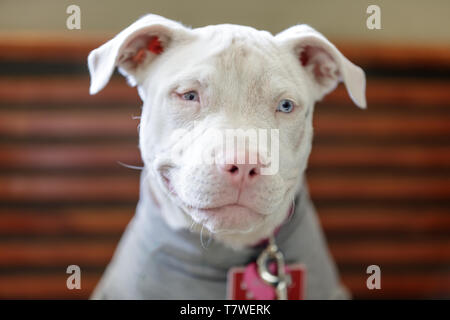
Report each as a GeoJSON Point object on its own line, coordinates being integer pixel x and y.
{"type": "Point", "coordinates": [226, 218]}
{"type": "Point", "coordinates": [232, 217]}
{"type": "Point", "coordinates": [220, 209]}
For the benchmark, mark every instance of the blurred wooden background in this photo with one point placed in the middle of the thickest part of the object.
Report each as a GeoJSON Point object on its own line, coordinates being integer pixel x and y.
{"type": "Point", "coordinates": [380, 178]}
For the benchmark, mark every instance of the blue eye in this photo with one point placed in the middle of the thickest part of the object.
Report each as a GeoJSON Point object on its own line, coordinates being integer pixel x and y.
{"type": "Point", "coordinates": [190, 96]}
{"type": "Point", "coordinates": [285, 105]}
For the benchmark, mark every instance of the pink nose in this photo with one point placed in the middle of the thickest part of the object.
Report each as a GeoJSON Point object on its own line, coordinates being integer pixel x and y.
{"type": "Point", "coordinates": [242, 173]}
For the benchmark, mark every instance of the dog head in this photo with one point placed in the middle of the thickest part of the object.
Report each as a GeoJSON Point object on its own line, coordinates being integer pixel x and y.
{"type": "Point", "coordinates": [226, 125]}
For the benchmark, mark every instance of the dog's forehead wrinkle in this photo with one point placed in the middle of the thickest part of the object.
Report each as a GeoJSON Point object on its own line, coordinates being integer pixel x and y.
{"type": "Point", "coordinates": [243, 80]}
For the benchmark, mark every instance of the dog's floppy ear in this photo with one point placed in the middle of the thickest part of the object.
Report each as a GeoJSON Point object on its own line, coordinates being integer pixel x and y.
{"type": "Point", "coordinates": [324, 63]}
{"type": "Point", "coordinates": [133, 48]}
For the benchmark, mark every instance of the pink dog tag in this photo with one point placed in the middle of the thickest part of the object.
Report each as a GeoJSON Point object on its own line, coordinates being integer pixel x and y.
{"type": "Point", "coordinates": [244, 283]}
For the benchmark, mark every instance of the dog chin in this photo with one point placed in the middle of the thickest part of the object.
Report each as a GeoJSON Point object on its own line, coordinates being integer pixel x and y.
{"type": "Point", "coordinates": [227, 219]}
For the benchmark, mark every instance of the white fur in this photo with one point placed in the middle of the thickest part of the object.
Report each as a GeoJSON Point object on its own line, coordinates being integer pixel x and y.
{"type": "Point", "coordinates": [241, 74]}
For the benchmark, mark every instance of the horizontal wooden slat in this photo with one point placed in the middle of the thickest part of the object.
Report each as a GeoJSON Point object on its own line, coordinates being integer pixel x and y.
{"type": "Point", "coordinates": [392, 55]}
{"type": "Point", "coordinates": [68, 156]}
{"type": "Point", "coordinates": [67, 124]}
{"type": "Point", "coordinates": [69, 220]}
{"type": "Point", "coordinates": [48, 47]}
{"type": "Point", "coordinates": [411, 285]}
{"type": "Point", "coordinates": [401, 92]}
{"type": "Point", "coordinates": [45, 286]}
{"type": "Point", "coordinates": [112, 220]}
{"type": "Point", "coordinates": [65, 90]}
{"type": "Point", "coordinates": [121, 123]}
{"type": "Point", "coordinates": [89, 253]}
{"type": "Point", "coordinates": [378, 187]}
{"type": "Point", "coordinates": [43, 188]}
{"type": "Point", "coordinates": [423, 156]}
{"type": "Point", "coordinates": [392, 126]}
{"type": "Point", "coordinates": [98, 253]}
{"type": "Point", "coordinates": [48, 156]}
{"type": "Point", "coordinates": [364, 219]}
{"type": "Point", "coordinates": [125, 188]}
{"type": "Point", "coordinates": [73, 48]}
{"type": "Point", "coordinates": [391, 252]}
{"type": "Point", "coordinates": [53, 286]}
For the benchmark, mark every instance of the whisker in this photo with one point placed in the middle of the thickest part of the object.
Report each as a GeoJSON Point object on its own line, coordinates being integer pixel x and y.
{"type": "Point", "coordinates": [129, 166]}
{"type": "Point", "coordinates": [201, 237]}
{"type": "Point", "coordinates": [191, 228]}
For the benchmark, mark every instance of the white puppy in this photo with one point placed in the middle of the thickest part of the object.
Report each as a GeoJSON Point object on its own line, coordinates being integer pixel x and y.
{"type": "Point", "coordinates": [219, 78]}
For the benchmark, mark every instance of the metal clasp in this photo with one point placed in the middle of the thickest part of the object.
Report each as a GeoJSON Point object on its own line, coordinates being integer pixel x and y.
{"type": "Point", "coordinates": [280, 280]}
